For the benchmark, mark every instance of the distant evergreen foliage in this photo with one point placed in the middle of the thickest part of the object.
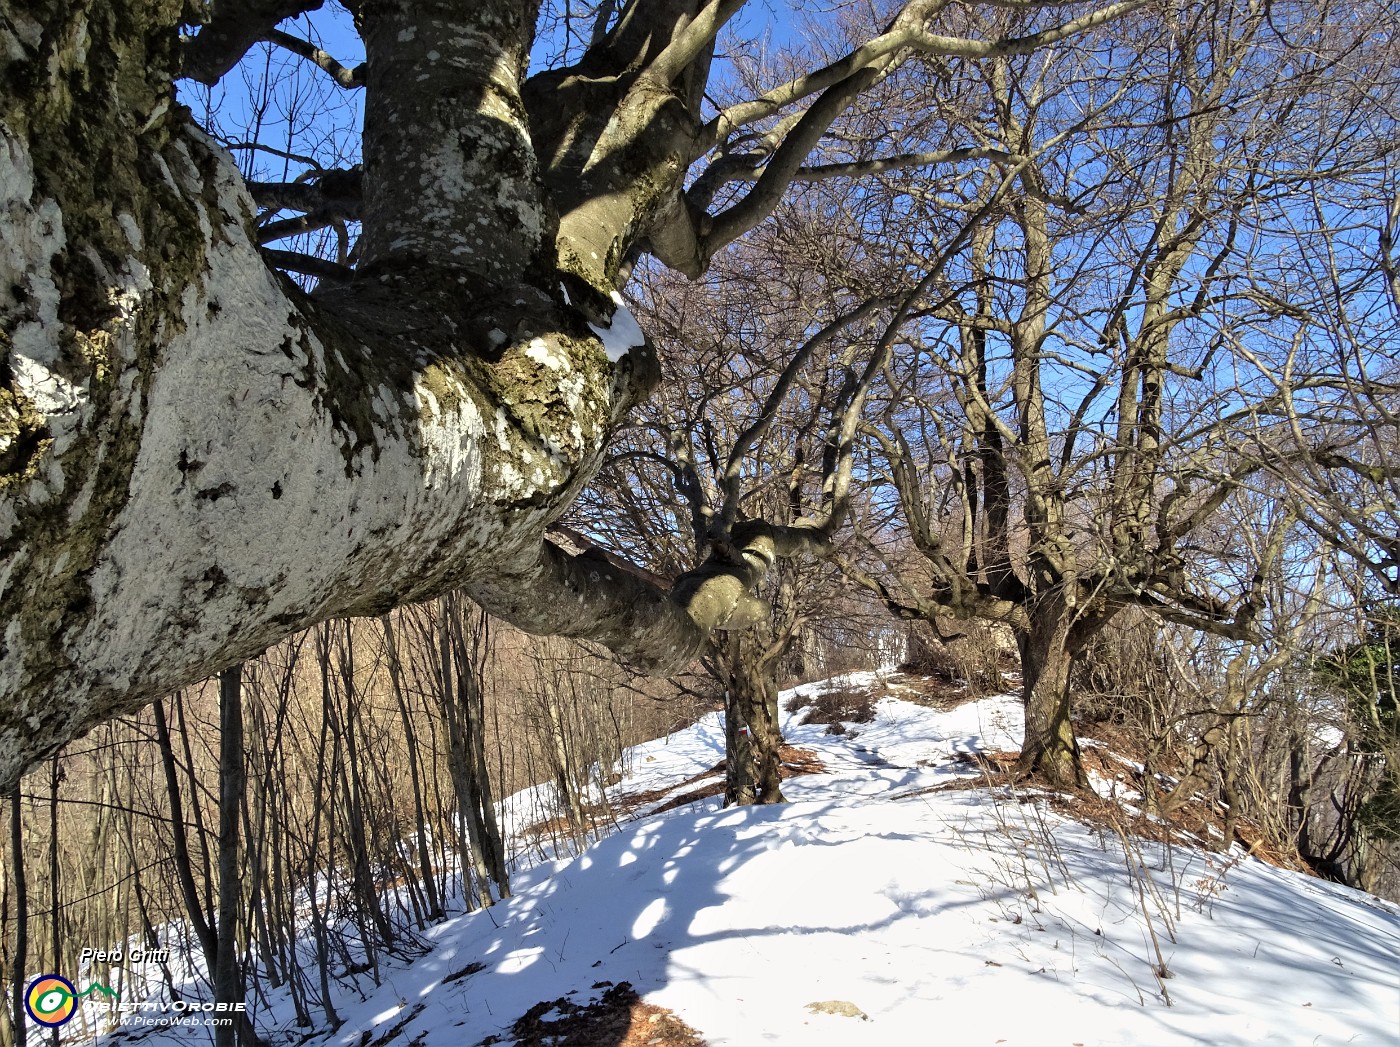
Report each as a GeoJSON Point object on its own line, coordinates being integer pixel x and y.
{"type": "Point", "coordinates": [1367, 675]}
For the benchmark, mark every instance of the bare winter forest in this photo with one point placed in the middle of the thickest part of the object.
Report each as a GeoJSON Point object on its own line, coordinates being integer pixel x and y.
{"type": "Point", "coordinates": [410, 407]}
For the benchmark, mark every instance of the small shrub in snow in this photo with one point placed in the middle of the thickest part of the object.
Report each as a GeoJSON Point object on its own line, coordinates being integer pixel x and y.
{"type": "Point", "coordinates": [841, 707]}
{"type": "Point", "coordinates": [797, 701]}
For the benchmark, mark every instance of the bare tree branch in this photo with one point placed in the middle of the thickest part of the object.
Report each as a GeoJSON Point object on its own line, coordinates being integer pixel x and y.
{"type": "Point", "coordinates": [307, 265]}
{"type": "Point", "coordinates": [349, 79]}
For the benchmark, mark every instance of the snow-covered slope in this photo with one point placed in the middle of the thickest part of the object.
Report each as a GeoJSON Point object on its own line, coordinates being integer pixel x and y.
{"type": "Point", "coordinates": [911, 916]}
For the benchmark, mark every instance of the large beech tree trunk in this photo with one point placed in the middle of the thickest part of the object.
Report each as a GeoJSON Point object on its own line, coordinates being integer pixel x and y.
{"type": "Point", "coordinates": [1047, 647]}
{"type": "Point", "coordinates": [753, 740]}
{"type": "Point", "coordinates": [196, 458]}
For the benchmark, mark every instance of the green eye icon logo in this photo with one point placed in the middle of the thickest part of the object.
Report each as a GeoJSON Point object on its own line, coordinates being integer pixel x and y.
{"type": "Point", "coordinates": [50, 1000]}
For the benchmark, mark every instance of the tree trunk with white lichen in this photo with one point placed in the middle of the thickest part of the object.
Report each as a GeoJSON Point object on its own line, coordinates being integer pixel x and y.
{"type": "Point", "coordinates": [170, 402]}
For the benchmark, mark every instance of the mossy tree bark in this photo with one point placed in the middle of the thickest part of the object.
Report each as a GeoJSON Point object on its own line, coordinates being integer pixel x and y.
{"type": "Point", "coordinates": [753, 740]}
{"type": "Point", "coordinates": [1048, 649]}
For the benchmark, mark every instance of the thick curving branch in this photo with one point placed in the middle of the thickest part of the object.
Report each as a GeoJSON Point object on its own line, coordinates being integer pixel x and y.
{"type": "Point", "coordinates": [308, 265]}
{"type": "Point", "coordinates": [337, 193]}
{"type": "Point", "coordinates": [234, 27]}
{"type": "Point", "coordinates": [591, 596]}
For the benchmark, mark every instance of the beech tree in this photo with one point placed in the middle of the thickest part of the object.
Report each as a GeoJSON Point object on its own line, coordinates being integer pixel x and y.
{"type": "Point", "coordinates": [1180, 297]}
{"type": "Point", "coordinates": [198, 457]}
{"type": "Point", "coordinates": [763, 366]}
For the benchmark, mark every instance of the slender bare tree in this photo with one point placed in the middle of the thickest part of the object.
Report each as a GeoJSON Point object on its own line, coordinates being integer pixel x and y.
{"type": "Point", "coordinates": [766, 356]}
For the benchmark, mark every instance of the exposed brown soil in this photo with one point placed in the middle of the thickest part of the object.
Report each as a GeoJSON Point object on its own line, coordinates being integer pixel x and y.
{"type": "Point", "coordinates": [1195, 822]}
{"type": "Point", "coordinates": [630, 802]}
{"type": "Point", "coordinates": [994, 761]}
{"type": "Point", "coordinates": [797, 762]}
{"type": "Point", "coordinates": [619, 1018]}
{"type": "Point", "coordinates": [559, 824]}
{"type": "Point", "coordinates": [715, 788]}
{"type": "Point", "coordinates": [838, 707]}
{"type": "Point", "coordinates": [1192, 823]}
{"type": "Point", "coordinates": [932, 691]}
{"type": "Point", "coordinates": [941, 690]}
{"type": "Point", "coordinates": [1126, 742]}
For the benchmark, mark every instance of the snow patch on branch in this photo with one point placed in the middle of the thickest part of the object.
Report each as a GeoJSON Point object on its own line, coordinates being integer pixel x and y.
{"type": "Point", "coordinates": [538, 351]}
{"type": "Point", "coordinates": [623, 334]}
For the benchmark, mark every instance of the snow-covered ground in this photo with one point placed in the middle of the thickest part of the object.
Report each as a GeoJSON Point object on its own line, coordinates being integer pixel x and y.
{"type": "Point", "coordinates": [960, 917]}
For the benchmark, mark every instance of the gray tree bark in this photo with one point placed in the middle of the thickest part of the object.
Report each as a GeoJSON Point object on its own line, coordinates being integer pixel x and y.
{"type": "Point", "coordinates": [1050, 749]}
{"type": "Point", "coordinates": [753, 740]}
